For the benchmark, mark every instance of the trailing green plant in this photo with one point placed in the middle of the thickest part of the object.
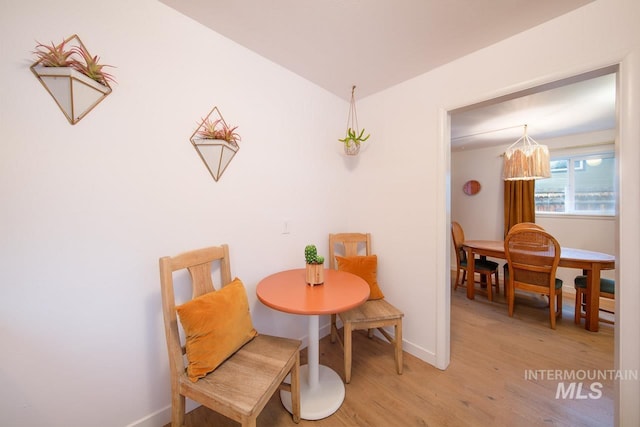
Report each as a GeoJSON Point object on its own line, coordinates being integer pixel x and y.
{"type": "Point", "coordinates": [218, 129]}
{"type": "Point", "coordinates": [311, 255]}
{"type": "Point", "coordinates": [352, 137]}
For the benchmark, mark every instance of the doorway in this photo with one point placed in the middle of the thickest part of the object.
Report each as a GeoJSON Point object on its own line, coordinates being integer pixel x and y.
{"type": "Point", "coordinates": [482, 163]}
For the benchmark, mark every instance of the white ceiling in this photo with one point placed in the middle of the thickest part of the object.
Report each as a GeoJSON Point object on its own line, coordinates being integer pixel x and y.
{"type": "Point", "coordinates": [581, 104]}
{"type": "Point", "coordinates": [373, 44]}
{"type": "Point", "coordinates": [376, 44]}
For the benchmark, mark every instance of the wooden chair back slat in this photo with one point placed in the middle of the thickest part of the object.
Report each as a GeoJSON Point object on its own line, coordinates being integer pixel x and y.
{"type": "Point", "coordinates": [199, 264]}
{"type": "Point", "coordinates": [348, 244]}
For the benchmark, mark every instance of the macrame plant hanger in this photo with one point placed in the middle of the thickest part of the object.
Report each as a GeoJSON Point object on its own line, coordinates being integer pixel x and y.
{"type": "Point", "coordinates": [353, 136]}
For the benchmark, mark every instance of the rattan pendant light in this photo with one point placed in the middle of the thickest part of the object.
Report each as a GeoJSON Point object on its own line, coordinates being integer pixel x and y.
{"type": "Point", "coordinates": [525, 159]}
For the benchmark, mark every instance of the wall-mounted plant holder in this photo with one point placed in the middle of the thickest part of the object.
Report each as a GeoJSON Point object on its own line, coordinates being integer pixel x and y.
{"type": "Point", "coordinates": [216, 143]}
{"type": "Point", "coordinates": [75, 93]}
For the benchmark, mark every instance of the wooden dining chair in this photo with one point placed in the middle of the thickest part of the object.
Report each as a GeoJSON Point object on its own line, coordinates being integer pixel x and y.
{"type": "Point", "coordinates": [483, 267]}
{"type": "Point", "coordinates": [533, 256]}
{"type": "Point", "coordinates": [607, 290]}
{"type": "Point", "coordinates": [505, 267]}
{"type": "Point", "coordinates": [376, 313]}
{"type": "Point", "coordinates": [230, 369]}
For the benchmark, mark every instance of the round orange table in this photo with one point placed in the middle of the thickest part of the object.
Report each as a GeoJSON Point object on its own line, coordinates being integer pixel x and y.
{"type": "Point", "coordinates": [321, 388]}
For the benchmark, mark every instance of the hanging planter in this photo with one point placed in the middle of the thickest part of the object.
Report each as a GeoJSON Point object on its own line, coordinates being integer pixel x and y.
{"type": "Point", "coordinates": [216, 143]}
{"type": "Point", "coordinates": [353, 137]}
{"type": "Point", "coordinates": [73, 78]}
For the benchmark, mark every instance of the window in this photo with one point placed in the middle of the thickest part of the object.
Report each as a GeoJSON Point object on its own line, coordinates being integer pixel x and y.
{"type": "Point", "coordinates": [582, 185]}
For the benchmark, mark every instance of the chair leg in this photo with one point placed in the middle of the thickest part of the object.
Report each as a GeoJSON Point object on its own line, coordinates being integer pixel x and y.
{"type": "Point", "coordinates": [578, 306]}
{"type": "Point", "coordinates": [511, 300]}
{"type": "Point", "coordinates": [552, 310]}
{"type": "Point", "coordinates": [457, 278]}
{"type": "Point", "coordinates": [559, 304]}
{"type": "Point", "coordinates": [398, 341]}
{"type": "Point", "coordinates": [489, 286]}
{"type": "Point", "coordinates": [347, 352]}
{"type": "Point", "coordinates": [177, 409]}
{"type": "Point", "coordinates": [295, 389]}
{"type": "Point", "coordinates": [334, 328]}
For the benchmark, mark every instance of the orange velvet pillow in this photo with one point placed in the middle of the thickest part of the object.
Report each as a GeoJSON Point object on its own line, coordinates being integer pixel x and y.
{"type": "Point", "coordinates": [216, 325]}
{"type": "Point", "coordinates": [365, 267]}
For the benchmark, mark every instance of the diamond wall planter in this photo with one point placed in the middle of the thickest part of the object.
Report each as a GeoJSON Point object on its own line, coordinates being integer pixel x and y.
{"type": "Point", "coordinates": [75, 93]}
{"type": "Point", "coordinates": [215, 153]}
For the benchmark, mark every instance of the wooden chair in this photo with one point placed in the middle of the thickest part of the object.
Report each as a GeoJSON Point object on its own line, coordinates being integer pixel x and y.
{"type": "Point", "coordinates": [533, 256]}
{"type": "Point", "coordinates": [505, 267]}
{"type": "Point", "coordinates": [370, 315]}
{"type": "Point", "coordinates": [607, 290]}
{"type": "Point", "coordinates": [242, 385]}
{"type": "Point", "coordinates": [482, 266]}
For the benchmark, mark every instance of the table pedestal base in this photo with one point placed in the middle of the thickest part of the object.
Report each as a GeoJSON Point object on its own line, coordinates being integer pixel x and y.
{"type": "Point", "coordinates": [321, 400]}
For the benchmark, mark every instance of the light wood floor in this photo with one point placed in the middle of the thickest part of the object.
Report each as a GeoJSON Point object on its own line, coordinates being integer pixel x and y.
{"type": "Point", "coordinates": [484, 384]}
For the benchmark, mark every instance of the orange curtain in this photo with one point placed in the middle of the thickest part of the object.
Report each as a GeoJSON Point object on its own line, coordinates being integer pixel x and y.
{"type": "Point", "coordinates": [519, 203]}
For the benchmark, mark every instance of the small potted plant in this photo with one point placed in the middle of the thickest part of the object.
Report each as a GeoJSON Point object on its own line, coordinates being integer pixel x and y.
{"type": "Point", "coordinates": [216, 142]}
{"type": "Point", "coordinates": [352, 141]}
{"type": "Point", "coordinates": [315, 266]}
{"type": "Point", "coordinates": [74, 78]}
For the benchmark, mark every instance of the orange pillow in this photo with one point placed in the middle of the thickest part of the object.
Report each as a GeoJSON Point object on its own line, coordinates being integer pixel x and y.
{"type": "Point", "coordinates": [216, 325]}
{"type": "Point", "coordinates": [365, 267]}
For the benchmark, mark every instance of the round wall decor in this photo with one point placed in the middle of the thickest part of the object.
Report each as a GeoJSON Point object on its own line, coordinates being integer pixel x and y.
{"type": "Point", "coordinates": [471, 187]}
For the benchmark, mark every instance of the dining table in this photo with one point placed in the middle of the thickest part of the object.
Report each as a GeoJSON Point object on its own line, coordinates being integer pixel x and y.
{"type": "Point", "coordinates": [591, 263]}
{"type": "Point", "coordinates": [321, 388]}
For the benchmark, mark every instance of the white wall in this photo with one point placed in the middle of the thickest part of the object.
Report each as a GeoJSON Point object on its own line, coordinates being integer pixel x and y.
{"type": "Point", "coordinates": [88, 209]}
{"type": "Point", "coordinates": [481, 215]}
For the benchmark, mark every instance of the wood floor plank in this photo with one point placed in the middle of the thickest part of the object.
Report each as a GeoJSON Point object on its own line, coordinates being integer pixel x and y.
{"type": "Point", "coordinates": [484, 384]}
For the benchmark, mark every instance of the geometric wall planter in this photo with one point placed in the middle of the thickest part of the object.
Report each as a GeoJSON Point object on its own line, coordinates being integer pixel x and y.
{"type": "Point", "coordinates": [75, 93]}
{"type": "Point", "coordinates": [215, 153]}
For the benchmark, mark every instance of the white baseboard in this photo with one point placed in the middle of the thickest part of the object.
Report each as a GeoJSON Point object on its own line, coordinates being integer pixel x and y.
{"type": "Point", "coordinates": [162, 416]}
{"type": "Point", "coordinates": [420, 353]}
